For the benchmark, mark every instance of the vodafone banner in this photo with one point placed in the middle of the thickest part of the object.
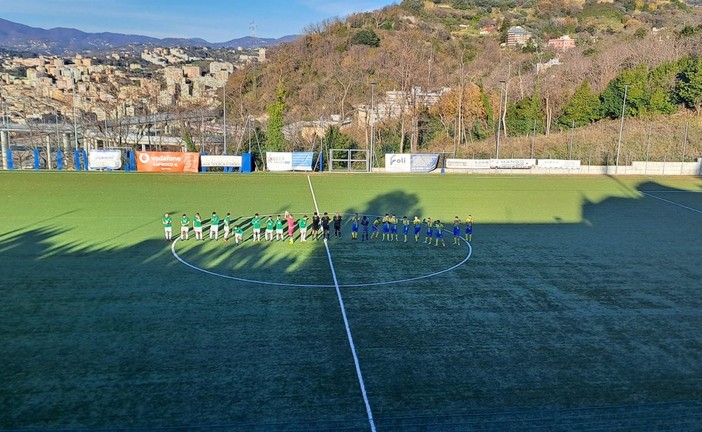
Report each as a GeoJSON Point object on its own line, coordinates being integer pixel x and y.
{"type": "Point", "coordinates": [168, 162]}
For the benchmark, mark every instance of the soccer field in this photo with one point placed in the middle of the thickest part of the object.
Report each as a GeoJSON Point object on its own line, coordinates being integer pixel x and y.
{"type": "Point", "coordinates": [576, 307]}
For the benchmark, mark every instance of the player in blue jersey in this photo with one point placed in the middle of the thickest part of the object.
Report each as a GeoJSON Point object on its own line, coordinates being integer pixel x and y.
{"type": "Point", "coordinates": [386, 227]}
{"type": "Point", "coordinates": [365, 222]}
{"type": "Point", "coordinates": [354, 226]}
{"type": "Point", "coordinates": [417, 228]}
{"type": "Point", "coordinates": [405, 227]}
{"type": "Point", "coordinates": [429, 233]}
{"type": "Point", "coordinates": [469, 228]}
{"type": "Point", "coordinates": [439, 233]}
{"type": "Point", "coordinates": [376, 227]}
{"type": "Point", "coordinates": [393, 228]}
{"type": "Point", "coordinates": [456, 230]}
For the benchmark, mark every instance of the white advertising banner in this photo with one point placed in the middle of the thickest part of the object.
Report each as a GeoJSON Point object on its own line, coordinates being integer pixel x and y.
{"type": "Point", "coordinates": [279, 161]}
{"type": "Point", "coordinates": [468, 163]}
{"type": "Point", "coordinates": [558, 164]}
{"type": "Point", "coordinates": [424, 163]}
{"type": "Point", "coordinates": [398, 162]}
{"type": "Point", "coordinates": [210, 161]}
{"type": "Point", "coordinates": [105, 159]}
{"type": "Point", "coordinates": [513, 163]}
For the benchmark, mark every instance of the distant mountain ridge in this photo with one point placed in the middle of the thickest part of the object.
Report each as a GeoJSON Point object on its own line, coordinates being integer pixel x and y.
{"type": "Point", "coordinates": [62, 41]}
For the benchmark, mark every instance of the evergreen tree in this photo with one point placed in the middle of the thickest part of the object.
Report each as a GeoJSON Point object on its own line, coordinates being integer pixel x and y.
{"type": "Point", "coordinates": [521, 116]}
{"type": "Point", "coordinates": [275, 141]}
{"type": "Point", "coordinates": [689, 85]}
{"type": "Point", "coordinates": [582, 109]}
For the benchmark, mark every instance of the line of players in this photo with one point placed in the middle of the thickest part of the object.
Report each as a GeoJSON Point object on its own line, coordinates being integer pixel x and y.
{"type": "Point", "coordinates": [274, 228]}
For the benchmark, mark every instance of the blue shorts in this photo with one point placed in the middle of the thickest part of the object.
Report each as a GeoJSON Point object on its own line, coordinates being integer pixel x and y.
{"type": "Point", "coordinates": [375, 228]}
{"type": "Point", "coordinates": [469, 230]}
{"type": "Point", "coordinates": [429, 232]}
{"type": "Point", "coordinates": [439, 234]}
{"type": "Point", "coordinates": [393, 229]}
{"type": "Point", "coordinates": [417, 229]}
{"type": "Point", "coordinates": [386, 229]}
{"type": "Point", "coordinates": [354, 227]}
{"type": "Point", "coordinates": [405, 229]}
{"type": "Point", "coordinates": [457, 231]}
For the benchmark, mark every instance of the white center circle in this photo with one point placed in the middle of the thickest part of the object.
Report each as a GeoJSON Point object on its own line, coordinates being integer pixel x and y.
{"type": "Point", "coordinates": [469, 253]}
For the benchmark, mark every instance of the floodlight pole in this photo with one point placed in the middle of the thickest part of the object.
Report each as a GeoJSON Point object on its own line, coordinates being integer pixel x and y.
{"type": "Point", "coordinates": [621, 128]}
{"type": "Point", "coordinates": [75, 124]}
{"type": "Point", "coordinates": [499, 121]}
{"type": "Point", "coordinates": [224, 116]}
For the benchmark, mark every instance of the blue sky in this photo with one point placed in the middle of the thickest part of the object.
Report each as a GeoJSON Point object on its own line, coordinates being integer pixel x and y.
{"type": "Point", "coordinates": [213, 20]}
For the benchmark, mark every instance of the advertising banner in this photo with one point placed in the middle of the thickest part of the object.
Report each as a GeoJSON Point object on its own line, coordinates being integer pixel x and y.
{"type": "Point", "coordinates": [289, 161]}
{"type": "Point", "coordinates": [558, 164]}
{"type": "Point", "coordinates": [423, 163]}
{"type": "Point", "coordinates": [168, 162]}
{"type": "Point", "coordinates": [398, 162]}
{"type": "Point", "coordinates": [279, 161]}
{"type": "Point", "coordinates": [105, 159]}
{"type": "Point", "coordinates": [513, 163]}
{"type": "Point", "coordinates": [210, 161]}
{"type": "Point", "coordinates": [468, 163]}
{"type": "Point", "coordinates": [302, 161]}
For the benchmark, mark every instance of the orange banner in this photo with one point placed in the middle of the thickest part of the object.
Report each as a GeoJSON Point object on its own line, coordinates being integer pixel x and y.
{"type": "Point", "coordinates": [168, 162]}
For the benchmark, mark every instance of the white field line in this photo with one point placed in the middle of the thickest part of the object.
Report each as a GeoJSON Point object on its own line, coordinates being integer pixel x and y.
{"type": "Point", "coordinates": [369, 412]}
{"type": "Point", "coordinates": [673, 203]}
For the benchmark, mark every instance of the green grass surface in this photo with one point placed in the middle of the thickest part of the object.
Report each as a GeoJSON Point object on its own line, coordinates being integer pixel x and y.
{"type": "Point", "coordinates": [579, 308]}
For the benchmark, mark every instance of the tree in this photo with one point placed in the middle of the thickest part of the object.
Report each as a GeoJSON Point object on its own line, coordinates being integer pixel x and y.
{"type": "Point", "coordinates": [689, 85]}
{"type": "Point", "coordinates": [365, 37]}
{"type": "Point", "coordinates": [520, 117]}
{"type": "Point", "coordinates": [276, 140]}
{"type": "Point", "coordinates": [583, 108]}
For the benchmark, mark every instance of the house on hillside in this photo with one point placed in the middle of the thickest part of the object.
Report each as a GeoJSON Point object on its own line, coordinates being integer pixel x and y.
{"type": "Point", "coordinates": [562, 43]}
{"type": "Point", "coordinates": [518, 36]}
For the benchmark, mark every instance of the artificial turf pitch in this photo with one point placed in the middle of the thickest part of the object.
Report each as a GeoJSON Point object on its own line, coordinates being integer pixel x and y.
{"type": "Point", "coordinates": [579, 308]}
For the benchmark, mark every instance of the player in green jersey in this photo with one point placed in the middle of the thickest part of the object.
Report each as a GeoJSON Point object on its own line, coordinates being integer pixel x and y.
{"type": "Point", "coordinates": [214, 226]}
{"type": "Point", "coordinates": [256, 225]}
{"type": "Point", "coordinates": [270, 229]}
{"type": "Point", "coordinates": [278, 228]}
{"type": "Point", "coordinates": [302, 224]}
{"type": "Point", "coordinates": [184, 227]}
{"type": "Point", "coordinates": [238, 234]}
{"type": "Point", "coordinates": [226, 226]}
{"type": "Point", "coordinates": [197, 226]}
{"type": "Point", "coordinates": [167, 222]}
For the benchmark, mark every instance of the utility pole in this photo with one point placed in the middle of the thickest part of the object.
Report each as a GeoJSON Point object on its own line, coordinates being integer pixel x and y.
{"type": "Point", "coordinates": [621, 128]}
{"type": "Point", "coordinates": [224, 116]}
{"type": "Point", "coordinates": [372, 125]}
{"type": "Point", "coordinates": [499, 121]}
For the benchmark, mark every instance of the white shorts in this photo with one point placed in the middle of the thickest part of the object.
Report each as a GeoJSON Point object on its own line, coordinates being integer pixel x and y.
{"type": "Point", "coordinates": [197, 229]}
{"type": "Point", "coordinates": [184, 229]}
{"type": "Point", "coordinates": [257, 230]}
{"type": "Point", "coordinates": [279, 231]}
{"type": "Point", "coordinates": [168, 229]}
{"type": "Point", "coordinates": [303, 230]}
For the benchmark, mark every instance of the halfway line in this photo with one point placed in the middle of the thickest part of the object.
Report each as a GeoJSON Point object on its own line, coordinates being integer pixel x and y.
{"type": "Point", "coordinates": [369, 412]}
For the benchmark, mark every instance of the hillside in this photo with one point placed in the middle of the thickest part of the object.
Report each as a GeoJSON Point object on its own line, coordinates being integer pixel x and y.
{"type": "Point", "coordinates": [454, 46]}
